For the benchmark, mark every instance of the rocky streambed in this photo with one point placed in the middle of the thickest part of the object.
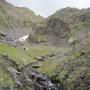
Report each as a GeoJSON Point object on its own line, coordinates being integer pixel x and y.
{"type": "Point", "coordinates": [38, 81]}
{"type": "Point", "coordinates": [28, 79]}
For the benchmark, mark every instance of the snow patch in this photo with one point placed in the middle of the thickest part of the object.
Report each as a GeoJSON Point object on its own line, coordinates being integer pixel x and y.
{"type": "Point", "coordinates": [24, 38]}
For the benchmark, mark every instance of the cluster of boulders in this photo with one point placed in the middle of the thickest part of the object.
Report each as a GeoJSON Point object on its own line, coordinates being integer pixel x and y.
{"type": "Point", "coordinates": [38, 81]}
{"type": "Point", "coordinates": [7, 40]}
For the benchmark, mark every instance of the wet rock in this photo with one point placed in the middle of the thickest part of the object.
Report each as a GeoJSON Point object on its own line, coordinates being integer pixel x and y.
{"type": "Point", "coordinates": [39, 81]}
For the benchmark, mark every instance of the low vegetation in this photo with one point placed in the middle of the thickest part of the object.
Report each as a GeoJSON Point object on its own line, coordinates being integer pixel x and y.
{"type": "Point", "coordinates": [5, 79]}
{"type": "Point", "coordinates": [71, 70]}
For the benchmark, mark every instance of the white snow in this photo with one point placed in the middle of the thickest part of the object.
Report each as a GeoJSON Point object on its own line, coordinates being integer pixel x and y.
{"type": "Point", "coordinates": [22, 39]}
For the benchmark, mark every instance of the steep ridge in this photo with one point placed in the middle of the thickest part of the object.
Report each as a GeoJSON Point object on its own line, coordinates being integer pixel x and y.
{"type": "Point", "coordinates": [15, 21]}
{"type": "Point", "coordinates": [66, 25]}
{"type": "Point", "coordinates": [78, 20]}
{"type": "Point", "coordinates": [72, 15]}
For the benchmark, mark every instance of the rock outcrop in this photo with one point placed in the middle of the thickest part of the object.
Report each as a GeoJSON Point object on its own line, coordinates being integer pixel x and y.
{"type": "Point", "coordinates": [54, 32]}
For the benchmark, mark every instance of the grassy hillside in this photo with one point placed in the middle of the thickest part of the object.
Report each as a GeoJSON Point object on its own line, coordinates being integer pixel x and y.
{"type": "Point", "coordinates": [68, 66]}
{"type": "Point", "coordinates": [22, 57]}
{"type": "Point", "coordinates": [17, 58]}
{"type": "Point", "coordinates": [70, 69]}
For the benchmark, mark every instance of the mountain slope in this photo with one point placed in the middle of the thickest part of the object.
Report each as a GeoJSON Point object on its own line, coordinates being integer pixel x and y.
{"type": "Point", "coordinates": [16, 21]}
{"type": "Point", "coordinates": [66, 25]}
{"type": "Point", "coordinates": [73, 15]}
{"type": "Point", "coordinates": [57, 55]}
{"type": "Point", "coordinates": [53, 31]}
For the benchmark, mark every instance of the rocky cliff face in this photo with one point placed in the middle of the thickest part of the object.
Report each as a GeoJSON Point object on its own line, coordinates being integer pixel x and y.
{"type": "Point", "coordinates": [54, 31]}
{"type": "Point", "coordinates": [64, 25]}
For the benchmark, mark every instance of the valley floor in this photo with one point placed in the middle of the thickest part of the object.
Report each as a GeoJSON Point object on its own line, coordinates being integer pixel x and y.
{"type": "Point", "coordinates": [41, 67]}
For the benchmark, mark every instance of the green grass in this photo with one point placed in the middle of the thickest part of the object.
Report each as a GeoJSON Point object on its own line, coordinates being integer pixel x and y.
{"type": "Point", "coordinates": [65, 69]}
{"type": "Point", "coordinates": [36, 51]}
{"type": "Point", "coordinates": [68, 72]}
{"type": "Point", "coordinates": [87, 25]}
{"type": "Point", "coordinates": [15, 54]}
{"type": "Point", "coordinates": [5, 79]}
{"type": "Point", "coordinates": [22, 57]}
{"type": "Point", "coordinates": [49, 66]}
{"type": "Point", "coordinates": [83, 25]}
{"type": "Point", "coordinates": [68, 69]}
